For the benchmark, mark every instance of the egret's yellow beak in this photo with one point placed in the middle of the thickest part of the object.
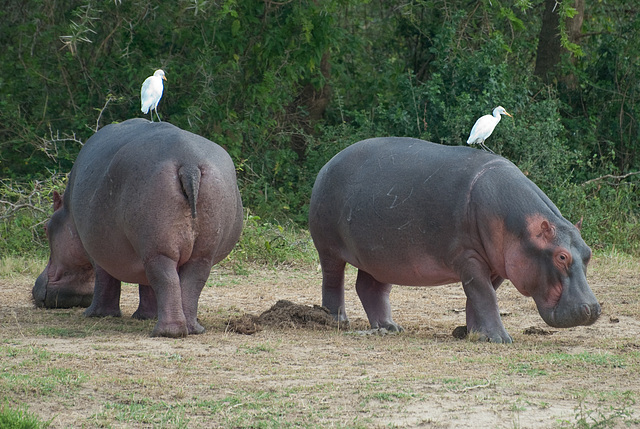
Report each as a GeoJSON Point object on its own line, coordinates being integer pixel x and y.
{"type": "Point", "coordinates": [508, 114]}
{"type": "Point", "coordinates": [168, 81]}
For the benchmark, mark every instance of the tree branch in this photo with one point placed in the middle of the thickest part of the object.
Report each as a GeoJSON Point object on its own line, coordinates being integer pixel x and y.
{"type": "Point", "coordinates": [611, 176]}
{"type": "Point", "coordinates": [109, 98]}
{"type": "Point", "coordinates": [13, 208]}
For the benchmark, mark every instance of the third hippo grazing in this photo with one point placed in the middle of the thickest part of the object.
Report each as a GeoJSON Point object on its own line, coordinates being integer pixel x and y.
{"type": "Point", "coordinates": [145, 203]}
{"type": "Point", "coordinates": [410, 212]}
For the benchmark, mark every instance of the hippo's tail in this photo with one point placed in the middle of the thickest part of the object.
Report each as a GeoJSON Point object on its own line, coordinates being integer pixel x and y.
{"type": "Point", "coordinates": [190, 181]}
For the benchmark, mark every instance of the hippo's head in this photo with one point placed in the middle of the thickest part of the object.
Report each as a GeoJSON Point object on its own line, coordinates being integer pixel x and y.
{"type": "Point", "coordinates": [550, 265]}
{"type": "Point", "coordinates": [68, 279]}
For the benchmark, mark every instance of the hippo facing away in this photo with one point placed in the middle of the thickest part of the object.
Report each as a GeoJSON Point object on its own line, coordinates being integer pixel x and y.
{"type": "Point", "coordinates": [410, 212]}
{"type": "Point", "coordinates": [145, 203]}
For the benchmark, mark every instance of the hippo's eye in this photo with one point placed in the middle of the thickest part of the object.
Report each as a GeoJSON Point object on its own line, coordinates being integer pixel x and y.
{"type": "Point", "coordinates": [563, 259]}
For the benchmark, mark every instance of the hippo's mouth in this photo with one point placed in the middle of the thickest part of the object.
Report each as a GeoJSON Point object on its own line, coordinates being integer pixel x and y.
{"type": "Point", "coordinates": [55, 298]}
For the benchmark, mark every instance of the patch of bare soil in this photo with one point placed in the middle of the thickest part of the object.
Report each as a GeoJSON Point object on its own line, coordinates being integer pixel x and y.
{"type": "Point", "coordinates": [297, 368]}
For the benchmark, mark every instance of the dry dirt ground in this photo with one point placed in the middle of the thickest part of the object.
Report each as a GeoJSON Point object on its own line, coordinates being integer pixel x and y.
{"type": "Point", "coordinates": [80, 372]}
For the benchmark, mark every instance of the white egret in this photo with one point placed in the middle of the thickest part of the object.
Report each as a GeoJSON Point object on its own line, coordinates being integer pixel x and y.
{"type": "Point", "coordinates": [151, 93]}
{"type": "Point", "coordinates": [484, 126]}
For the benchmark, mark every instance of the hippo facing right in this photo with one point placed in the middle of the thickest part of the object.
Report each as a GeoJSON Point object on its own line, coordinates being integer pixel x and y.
{"type": "Point", "coordinates": [410, 212]}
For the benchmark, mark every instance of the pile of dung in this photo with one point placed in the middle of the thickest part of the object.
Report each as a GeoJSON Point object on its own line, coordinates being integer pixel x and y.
{"type": "Point", "coordinates": [284, 314]}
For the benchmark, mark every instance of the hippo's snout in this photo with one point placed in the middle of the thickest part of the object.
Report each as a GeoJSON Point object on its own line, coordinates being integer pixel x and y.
{"type": "Point", "coordinates": [39, 290]}
{"type": "Point", "coordinates": [62, 295]}
{"type": "Point", "coordinates": [562, 317]}
{"type": "Point", "coordinates": [591, 313]}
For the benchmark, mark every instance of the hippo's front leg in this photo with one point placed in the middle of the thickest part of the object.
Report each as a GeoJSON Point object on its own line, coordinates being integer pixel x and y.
{"type": "Point", "coordinates": [483, 314]}
{"type": "Point", "coordinates": [106, 295]}
{"type": "Point", "coordinates": [163, 276]}
{"type": "Point", "coordinates": [374, 296]}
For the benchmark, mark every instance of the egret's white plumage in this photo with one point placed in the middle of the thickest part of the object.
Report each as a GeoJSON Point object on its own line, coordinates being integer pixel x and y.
{"type": "Point", "coordinates": [151, 93]}
{"type": "Point", "coordinates": [484, 126]}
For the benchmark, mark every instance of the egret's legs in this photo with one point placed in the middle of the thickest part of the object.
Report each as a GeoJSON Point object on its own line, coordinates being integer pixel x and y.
{"type": "Point", "coordinates": [486, 148]}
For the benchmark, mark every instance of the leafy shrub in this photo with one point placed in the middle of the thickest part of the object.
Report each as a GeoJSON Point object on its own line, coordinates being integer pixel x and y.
{"type": "Point", "coordinates": [271, 243]}
{"type": "Point", "coordinates": [24, 209]}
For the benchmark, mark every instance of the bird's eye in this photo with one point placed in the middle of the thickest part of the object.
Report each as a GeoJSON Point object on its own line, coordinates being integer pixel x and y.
{"type": "Point", "coordinates": [562, 257]}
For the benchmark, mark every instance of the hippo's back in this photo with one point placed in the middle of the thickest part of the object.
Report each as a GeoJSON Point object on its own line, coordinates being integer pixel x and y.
{"type": "Point", "coordinates": [136, 148]}
{"type": "Point", "coordinates": [397, 180]}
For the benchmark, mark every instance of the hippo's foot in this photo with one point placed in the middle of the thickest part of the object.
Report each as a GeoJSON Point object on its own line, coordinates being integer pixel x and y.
{"type": "Point", "coordinates": [141, 314]}
{"type": "Point", "coordinates": [389, 326]}
{"type": "Point", "coordinates": [483, 315]}
{"type": "Point", "coordinates": [339, 315]}
{"type": "Point", "coordinates": [96, 311]}
{"type": "Point", "coordinates": [196, 328]}
{"type": "Point", "coordinates": [501, 337]}
{"type": "Point", "coordinates": [377, 332]}
{"type": "Point", "coordinates": [171, 330]}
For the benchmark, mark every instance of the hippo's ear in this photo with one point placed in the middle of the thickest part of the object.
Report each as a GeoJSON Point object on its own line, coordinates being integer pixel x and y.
{"type": "Point", "coordinates": [548, 231]}
{"type": "Point", "coordinates": [579, 224]}
{"type": "Point", "coordinates": [542, 232]}
{"type": "Point", "coordinates": [57, 201]}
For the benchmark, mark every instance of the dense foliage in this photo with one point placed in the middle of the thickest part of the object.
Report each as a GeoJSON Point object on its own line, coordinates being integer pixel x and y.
{"type": "Point", "coordinates": [285, 85]}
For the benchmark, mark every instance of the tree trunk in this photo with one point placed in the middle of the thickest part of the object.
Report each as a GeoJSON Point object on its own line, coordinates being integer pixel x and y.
{"type": "Point", "coordinates": [313, 103]}
{"type": "Point", "coordinates": [550, 50]}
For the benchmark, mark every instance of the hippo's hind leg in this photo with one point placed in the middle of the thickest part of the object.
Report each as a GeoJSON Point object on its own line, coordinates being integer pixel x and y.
{"type": "Point", "coordinates": [163, 275]}
{"type": "Point", "coordinates": [333, 287]}
{"type": "Point", "coordinates": [106, 296]}
{"type": "Point", "coordinates": [148, 306]}
{"type": "Point", "coordinates": [374, 296]}
{"type": "Point", "coordinates": [193, 276]}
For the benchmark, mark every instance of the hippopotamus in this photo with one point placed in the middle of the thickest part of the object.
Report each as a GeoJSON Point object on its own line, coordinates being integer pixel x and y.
{"type": "Point", "coordinates": [410, 212]}
{"type": "Point", "coordinates": [145, 203]}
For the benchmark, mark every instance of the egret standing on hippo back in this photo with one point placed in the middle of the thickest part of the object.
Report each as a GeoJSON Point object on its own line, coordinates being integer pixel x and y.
{"type": "Point", "coordinates": [484, 127]}
{"type": "Point", "coordinates": [145, 203]}
{"type": "Point", "coordinates": [410, 212]}
{"type": "Point", "coordinates": [151, 93]}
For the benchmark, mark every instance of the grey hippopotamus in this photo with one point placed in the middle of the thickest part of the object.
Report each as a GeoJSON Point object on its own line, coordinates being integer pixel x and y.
{"type": "Point", "coordinates": [145, 203]}
{"type": "Point", "coordinates": [410, 212]}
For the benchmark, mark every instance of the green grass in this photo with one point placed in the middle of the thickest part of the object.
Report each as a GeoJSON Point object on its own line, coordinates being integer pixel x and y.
{"type": "Point", "coordinates": [145, 411]}
{"type": "Point", "coordinates": [53, 381]}
{"type": "Point", "coordinates": [19, 418]}
{"type": "Point", "coordinates": [256, 349]}
{"type": "Point", "coordinates": [525, 368]}
{"type": "Point", "coordinates": [238, 409]}
{"type": "Point", "coordinates": [29, 371]}
{"type": "Point", "coordinates": [308, 379]}
{"type": "Point", "coordinates": [587, 359]}
{"type": "Point", "coordinates": [21, 266]}
{"type": "Point", "coordinates": [616, 412]}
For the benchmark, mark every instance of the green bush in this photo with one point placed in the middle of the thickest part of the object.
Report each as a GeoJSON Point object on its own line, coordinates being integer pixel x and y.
{"type": "Point", "coordinates": [256, 77]}
{"type": "Point", "coordinates": [24, 209]}
{"type": "Point", "coordinates": [267, 242]}
{"type": "Point", "coordinates": [609, 220]}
